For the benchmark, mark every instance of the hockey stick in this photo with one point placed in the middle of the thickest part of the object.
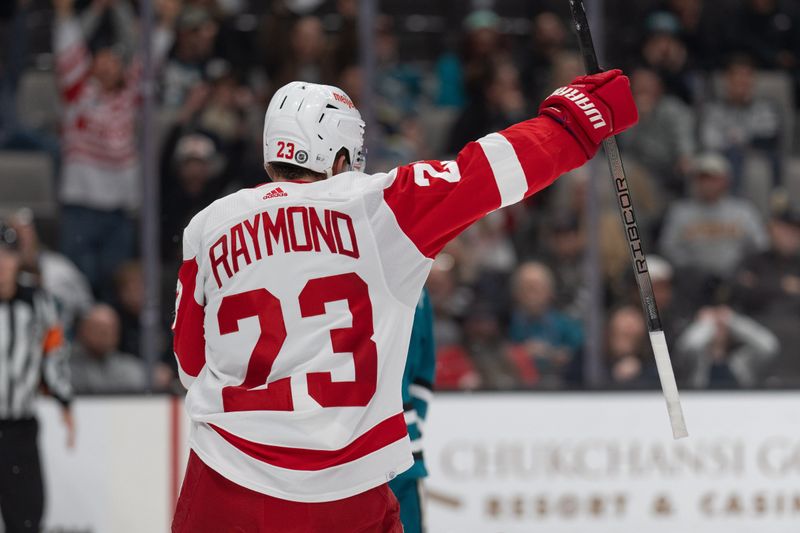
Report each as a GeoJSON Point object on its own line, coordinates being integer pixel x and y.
{"type": "Point", "coordinates": [657, 339]}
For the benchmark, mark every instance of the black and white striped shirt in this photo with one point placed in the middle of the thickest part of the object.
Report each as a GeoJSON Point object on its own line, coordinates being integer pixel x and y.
{"type": "Point", "coordinates": [32, 353]}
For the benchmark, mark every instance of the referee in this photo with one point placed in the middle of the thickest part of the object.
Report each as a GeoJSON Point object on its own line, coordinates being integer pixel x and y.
{"type": "Point", "coordinates": [31, 357]}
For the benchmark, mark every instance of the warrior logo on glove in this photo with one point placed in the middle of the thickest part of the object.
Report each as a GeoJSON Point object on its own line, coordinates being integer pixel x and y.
{"type": "Point", "coordinates": [592, 108]}
{"type": "Point", "coordinates": [582, 101]}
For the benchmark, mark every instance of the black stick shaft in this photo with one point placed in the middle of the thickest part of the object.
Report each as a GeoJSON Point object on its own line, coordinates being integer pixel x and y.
{"type": "Point", "coordinates": [657, 339]}
{"type": "Point", "coordinates": [624, 199]}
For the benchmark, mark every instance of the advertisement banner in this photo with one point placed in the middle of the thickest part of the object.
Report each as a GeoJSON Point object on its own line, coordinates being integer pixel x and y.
{"type": "Point", "coordinates": [607, 463]}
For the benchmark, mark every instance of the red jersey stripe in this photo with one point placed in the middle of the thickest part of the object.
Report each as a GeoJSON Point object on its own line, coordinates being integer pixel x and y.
{"type": "Point", "coordinates": [381, 435]}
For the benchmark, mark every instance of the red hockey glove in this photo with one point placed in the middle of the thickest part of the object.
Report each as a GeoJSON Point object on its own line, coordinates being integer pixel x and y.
{"type": "Point", "coordinates": [593, 108]}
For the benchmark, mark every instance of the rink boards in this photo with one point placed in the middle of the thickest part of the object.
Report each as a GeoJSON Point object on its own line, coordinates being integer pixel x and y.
{"type": "Point", "coordinates": [511, 462]}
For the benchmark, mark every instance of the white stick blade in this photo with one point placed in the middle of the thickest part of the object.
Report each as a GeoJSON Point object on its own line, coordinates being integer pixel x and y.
{"type": "Point", "coordinates": [668, 385]}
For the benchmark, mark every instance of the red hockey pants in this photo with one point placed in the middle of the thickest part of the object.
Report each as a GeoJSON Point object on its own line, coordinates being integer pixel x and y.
{"type": "Point", "coordinates": [210, 503]}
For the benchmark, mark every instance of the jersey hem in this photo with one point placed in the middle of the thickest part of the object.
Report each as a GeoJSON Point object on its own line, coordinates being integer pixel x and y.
{"type": "Point", "coordinates": [269, 491]}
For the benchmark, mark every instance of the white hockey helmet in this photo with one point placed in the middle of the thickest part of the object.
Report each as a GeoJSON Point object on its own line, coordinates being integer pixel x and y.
{"type": "Point", "coordinates": [307, 124]}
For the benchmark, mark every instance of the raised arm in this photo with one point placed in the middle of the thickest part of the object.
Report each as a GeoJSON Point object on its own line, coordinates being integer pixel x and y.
{"type": "Point", "coordinates": [73, 61]}
{"type": "Point", "coordinates": [163, 36]}
{"type": "Point", "coordinates": [434, 201]}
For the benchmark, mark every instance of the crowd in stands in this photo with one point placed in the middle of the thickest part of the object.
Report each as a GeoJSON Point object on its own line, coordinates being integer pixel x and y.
{"type": "Point", "coordinates": [714, 167]}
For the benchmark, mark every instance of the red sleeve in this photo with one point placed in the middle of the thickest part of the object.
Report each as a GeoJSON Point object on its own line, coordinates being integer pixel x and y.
{"type": "Point", "coordinates": [189, 342]}
{"type": "Point", "coordinates": [434, 201]}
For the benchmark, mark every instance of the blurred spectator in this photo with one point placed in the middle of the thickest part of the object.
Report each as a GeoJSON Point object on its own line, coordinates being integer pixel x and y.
{"type": "Point", "coordinates": [398, 96]}
{"type": "Point", "coordinates": [190, 181]}
{"type": "Point", "coordinates": [351, 81]}
{"type": "Point", "coordinates": [768, 289]}
{"type": "Point", "coordinates": [488, 349]}
{"type": "Point", "coordinates": [663, 140]}
{"type": "Point", "coordinates": [723, 349]}
{"type": "Point", "coordinates": [614, 246]}
{"type": "Point", "coordinates": [13, 55]}
{"type": "Point", "coordinates": [51, 271]}
{"type": "Point", "coordinates": [398, 85]}
{"type": "Point", "coordinates": [769, 281]}
{"type": "Point", "coordinates": [17, 132]}
{"type": "Point", "coordinates": [566, 67]}
{"type": "Point", "coordinates": [712, 232]}
{"type": "Point", "coordinates": [274, 34]}
{"type": "Point", "coordinates": [96, 364]}
{"type": "Point", "coordinates": [345, 42]}
{"type": "Point", "coordinates": [769, 31]}
{"type": "Point", "coordinates": [498, 104]}
{"type": "Point", "coordinates": [222, 115]}
{"type": "Point", "coordinates": [123, 23]}
{"type": "Point", "coordinates": [665, 52]}
{"type": "Point", "coordinates": [487, 258]}
{"type": "Point", "coordinates": [459, 76]}
{"type": "Point", "coordinates": [741, 121]}
{"type": "Point", "coordinates": [196, 31]}
{"type": "Point", "coordinates": [402, 142]}
{"type": "Point", "coordinates": [550, 339]}
{"type": "Point", "coordinates": [548, 41]}
{"type": "Point", "coordinates": [309, 55]}
{"type": "Point", "coordinates": [455, 370]}
{"type": "Point", "coordinates": [631, 364]}
{"type": "Point", "coordinates": [675, 304]}
{"type": "Point", "coordinates": [700, 29]}
{"type": "Point", "coordinates": [100, 174]}
{"type": "Point", "coordinates": [450, 301]}
{"type": "Point", "coordinates": [565, 244]}
{"type": "Point", "coordinates": [129, 303]}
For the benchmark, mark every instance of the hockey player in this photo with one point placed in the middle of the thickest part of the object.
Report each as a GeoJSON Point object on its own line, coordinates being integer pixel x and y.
{"type": "Point", "coordinates": [417, 393]}
{"type": "Point", "coordinates": [296, 298]}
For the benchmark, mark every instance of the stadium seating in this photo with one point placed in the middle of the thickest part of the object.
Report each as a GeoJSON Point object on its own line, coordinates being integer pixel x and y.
{"type": "Point", "coordinates": [26, 180]}
{"type": "Point", "coordinates": [38, 104]}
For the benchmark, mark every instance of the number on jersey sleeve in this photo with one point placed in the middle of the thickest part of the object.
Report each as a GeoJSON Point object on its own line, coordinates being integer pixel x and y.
{"type": "Point", "coordinates": [434, 201]}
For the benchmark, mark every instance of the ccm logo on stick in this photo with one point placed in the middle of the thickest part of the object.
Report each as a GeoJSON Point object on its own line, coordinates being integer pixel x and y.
{"type": "Point", "coordinates": [584, 103]}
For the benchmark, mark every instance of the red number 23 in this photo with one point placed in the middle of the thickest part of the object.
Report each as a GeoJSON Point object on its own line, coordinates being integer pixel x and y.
{"type": "Point", "coordinates": [356, 340]}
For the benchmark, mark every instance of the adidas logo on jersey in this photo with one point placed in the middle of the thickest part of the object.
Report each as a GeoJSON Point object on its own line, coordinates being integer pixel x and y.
{"type": "Point", "coordinates": [584, 103]}
{"type": "Point", "coordinates": [274, 193]}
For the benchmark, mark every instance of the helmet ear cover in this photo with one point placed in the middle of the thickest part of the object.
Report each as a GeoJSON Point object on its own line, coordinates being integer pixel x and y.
{"type": "Point", "coordinates": [347, 163]}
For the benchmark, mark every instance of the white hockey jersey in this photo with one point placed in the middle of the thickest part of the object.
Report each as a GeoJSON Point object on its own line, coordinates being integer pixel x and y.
{"type": "Point", "coordinates": [295, 304]}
